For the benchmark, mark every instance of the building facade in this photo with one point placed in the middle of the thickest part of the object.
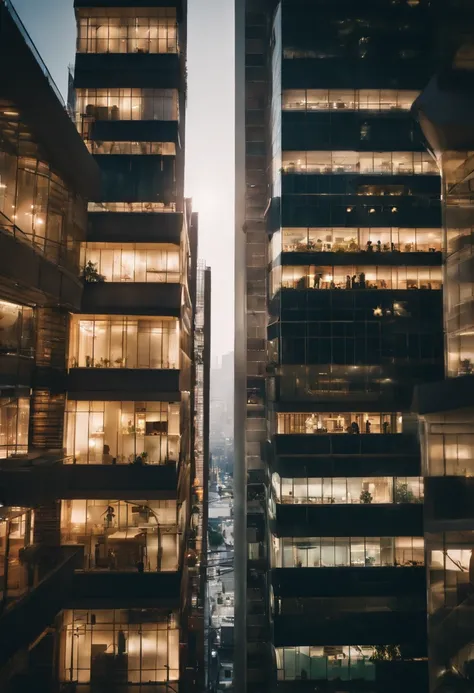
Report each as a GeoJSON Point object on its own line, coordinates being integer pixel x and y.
{"type": "Point", "coordinates": [338, 318]}
{"type": "Point", "coordinates": [111, 337]}
{"type": "Point", "coordinates": [446, 408]}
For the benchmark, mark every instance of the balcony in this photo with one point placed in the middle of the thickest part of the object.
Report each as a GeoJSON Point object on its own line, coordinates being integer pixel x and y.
{"type": "Point", "coordinates": [388, 677]}
{"type": "Point", "coordinates": [124, 384]}
{"type": "Point", "coordinates": [135, 227]}
{"type": "Point", "coordinates": [38, 609]}
{"type": "Point", "coordinates": [381, 520]}
{"type": "Point", "coordinates": [125, 590]}
{"type": "Point", "coordinates": [349, 581]}
{"type": "Point", "coordinates": [137, 298]}
{"type": "Point", "coordinates": [137, 70]}
{"type": "Point", "coordinates": [30, 275]}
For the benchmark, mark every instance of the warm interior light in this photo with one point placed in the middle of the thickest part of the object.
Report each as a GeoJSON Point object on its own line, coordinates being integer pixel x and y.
{"type": "Point", "coordinates": [11, 113]}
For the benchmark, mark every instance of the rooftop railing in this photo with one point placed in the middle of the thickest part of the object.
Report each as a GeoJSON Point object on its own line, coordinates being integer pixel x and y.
{"type": "Point", "coordinates": [29, 42]}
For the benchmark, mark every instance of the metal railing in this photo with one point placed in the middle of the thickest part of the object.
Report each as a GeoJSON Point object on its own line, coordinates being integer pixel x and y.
{"type": "Point", "coordinates": [29, 42]}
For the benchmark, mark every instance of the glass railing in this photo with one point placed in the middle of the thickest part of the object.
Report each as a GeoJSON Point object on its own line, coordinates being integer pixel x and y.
{"type": "Point", "coordinates": [348, 490]}
{"type": "Point", "coordinates": [355, 552]}
{"type": "Point", "coordinates": [29, 42]}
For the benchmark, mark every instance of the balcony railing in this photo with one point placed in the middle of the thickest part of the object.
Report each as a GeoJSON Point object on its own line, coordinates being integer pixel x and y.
{"type": "Point", "coordinates": [29, 42]}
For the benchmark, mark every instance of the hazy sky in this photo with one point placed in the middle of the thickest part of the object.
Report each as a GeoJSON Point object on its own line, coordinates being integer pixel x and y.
{"type": "Point", "coordinates": [209, 132]}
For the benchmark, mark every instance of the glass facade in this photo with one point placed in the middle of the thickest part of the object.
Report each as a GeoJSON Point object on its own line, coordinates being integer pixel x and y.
{"type": "Point", "coordinates": [356, 240]}
{"type": "Point", "coordinates": [448, 443]}
{"type": "Point", "coordinates": [16, 533]}
{"type": "Point", "coordinates": [348, 99]}
{"type": "Point", "coordinates": [331, 663]}
{"type": "Point", "coordinates": [122, 34]}
{"type": "Point", "coordinates": [122, 535]}
{"type": "Point", "coordinates": [17, 329]}
{"type": "Point", "coordinates": [387, 163]}
{"type": "Point", "coordinates": [132, 262]}
{"type": "Point", "coordinates": [36, 204]}
{"type": "Point", "coordinates": [119, 646]}
{"type": "Point", "coordinates": [338, 422]}
{"type": "Point", "coordinates": [132, 207]}
{"type": "Point", "coordinates": [347, 490]}
{"type": "Point", "coordinates": [123, 342]}
{"type": "Point", "coordinates": [355, 277]}
{"type": "Point", "coordinates": [136, 148]}
{"type": "Point", "coordinates": [14, 422]}
{"type": "Point", "coordinates": [122, 432]}
{"type": "Point", "coordinates": [348, 335]}
{"type": "Point", "coordinates": [127, 104]}
{"type": "Point", "coordinates": [356, 552]}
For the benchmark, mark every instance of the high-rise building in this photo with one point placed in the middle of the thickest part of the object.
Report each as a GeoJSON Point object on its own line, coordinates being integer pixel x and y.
{"type": "Point", "coordinates": [338, 317]}
{"type": "Point", "coordinates": [447, 408]}
{"type": "Point", "coordinates": [110, 332]}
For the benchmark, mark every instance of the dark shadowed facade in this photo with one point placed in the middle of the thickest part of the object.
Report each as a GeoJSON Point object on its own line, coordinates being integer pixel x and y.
{"type": "Point", "coordinates": [338, 319]}
{"type": "Point", "coordinates": [105, 389]}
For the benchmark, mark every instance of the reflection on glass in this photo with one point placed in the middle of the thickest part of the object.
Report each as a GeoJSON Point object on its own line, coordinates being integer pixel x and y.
{"type": "Point", "coordinates": [331, 663]}
{"type": "Point", "coordinates": [347, 490]}
{"type": "Point", "coordinates": [153, 34]}
{"type": "Point", "coordinates": [132, 262]}
{"type": "Point", "coordinates": [14, 421]}
{"type": "Point", "coordinates": [132, 207]}
{"type": "Point", "coordinates": [351, 423]}
{"type": "Point", "coordinates": [122, 535]}
{"type": "Point", "coordinates": [122, 432]}
{"type": "Point", "coordinates": [104, 647]}
{"type": "Point", "coordinates": [388, 163]}
{"type": "Point", "coordinates": [124, 104]}
{"type": "Point", "coordinates": [362, 552]}
{"type": "Point", "coordinates": [123, 342]}
{"type": "Point", "coordinates": [37, 206]}
{"type": "Point", "coordinates": [356, 240]}
{"type": "Point", "coordinates": [16, 329]}
{"type": "Point", "coordinates": [450, 446]}
{"type": "Point", "coordinates": [16, 533]}
{"type": "Point", "coordinates": [141, 148]}
{"type": "Point", "coordinates": [355, 277]}
{"type": "Point", "coordinates": [347, 99]}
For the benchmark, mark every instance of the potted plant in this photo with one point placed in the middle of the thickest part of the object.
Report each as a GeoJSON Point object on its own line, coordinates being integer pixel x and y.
{"type": "Point", "coordinates": [404, 494]}
{"type": "Point", "coordinates": [91, 274]}
{"type": "Point", "coordinates": [89, 362]}
{"type": "Point", "coordinates": [365, 497]}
